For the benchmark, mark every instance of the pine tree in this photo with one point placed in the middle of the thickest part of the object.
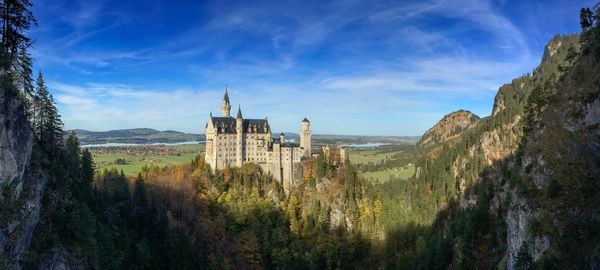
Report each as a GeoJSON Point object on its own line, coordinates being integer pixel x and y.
{"type": "Point", "coordinates": [48, 123]}
{"type": "Point", "coordinates": [16, 18]}
{"type": "Point", "coordinates": [524, 260]}
{"type": "Point", "coordinates": [87, 173]}
{"type": "Point", "coordinates": [23, 77]}
{"type": "Point", "coordinates": [41, 95]}
{"type": "Point", "coordinates": [586, 19]}
{"type": "Point", "coordinates": [140, 203]}
{"type": "Point", "coordinates": [590, 36]}
{"type": "Point", "coordinates": [73, 157]}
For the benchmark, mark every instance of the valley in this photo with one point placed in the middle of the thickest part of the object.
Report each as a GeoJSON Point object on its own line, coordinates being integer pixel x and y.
{"type": "Point", "coordinates": [131, 159]}
{"type": "Point", "coordinates": [380, 162]}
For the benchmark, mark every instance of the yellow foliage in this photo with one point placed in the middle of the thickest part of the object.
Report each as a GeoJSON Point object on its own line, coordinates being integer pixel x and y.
{"type": "Point", "coordinates": [377, 209]}
{"type": "Point", "coordinates": [364, 207]}
{"type": "Point", "coordinates": [308, 173]}
{"type": "Point", "coordinates": [179, 173]}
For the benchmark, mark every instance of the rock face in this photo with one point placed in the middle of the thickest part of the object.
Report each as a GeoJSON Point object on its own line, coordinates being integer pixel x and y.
{"type": "Point", "coordinates": [16, 141]}
{"type": "Point", "coordinates": [551, 48]}
{"type": "Point", "coordinates": [562, 146]}
{"type": "Point", "coordinates": [555, 138]}
{"type": "Point", "coordinates": [448, 128]}
{"type": "Point", "coordinates": [22, 189]}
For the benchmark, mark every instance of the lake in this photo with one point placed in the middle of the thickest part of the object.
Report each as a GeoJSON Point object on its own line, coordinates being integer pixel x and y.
{"type": "Point", "coordinates": [365, 145]}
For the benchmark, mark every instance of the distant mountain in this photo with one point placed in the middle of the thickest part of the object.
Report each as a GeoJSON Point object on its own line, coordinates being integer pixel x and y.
{"type": "Point", "coordinates": [446, 130]}
{"type": "Point", "coordinates": [148, 136]}
{"type": "Point", "coordinates": [136, 135]}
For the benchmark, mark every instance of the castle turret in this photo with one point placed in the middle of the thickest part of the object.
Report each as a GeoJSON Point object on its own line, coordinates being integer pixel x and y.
{"type": "Point", "coordinates": [239, 122]}
{"type": "Point", "coordinates": [281, 138]}
{"type": "Point", "coordinates": [226, 106]}
{"type": "Point", "coordinates": [305, 137]}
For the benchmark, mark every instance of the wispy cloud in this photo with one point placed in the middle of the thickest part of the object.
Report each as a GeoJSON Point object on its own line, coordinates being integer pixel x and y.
{"type": "Point", "coordinates": [385, 67]}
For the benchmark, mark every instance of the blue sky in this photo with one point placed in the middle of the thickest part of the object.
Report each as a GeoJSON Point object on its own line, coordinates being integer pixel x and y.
{"type": "Point", "coordinates": [351, 67]}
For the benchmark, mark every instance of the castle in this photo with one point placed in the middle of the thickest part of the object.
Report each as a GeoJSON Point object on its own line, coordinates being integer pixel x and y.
{"type": "Point", "coordinates": [235, 141]}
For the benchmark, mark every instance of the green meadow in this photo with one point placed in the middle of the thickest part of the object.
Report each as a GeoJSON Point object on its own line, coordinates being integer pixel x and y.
{"type": "Point", "coordinates": [132, 160]}
{"type": "Point", "coordinates": [370, 155]}
{"type": "Point", "coordinates": [389, 174]}
{"type": "Point", "coordinates": [384, 163]}
{"type": "Point", "coordinates": [132, 163]}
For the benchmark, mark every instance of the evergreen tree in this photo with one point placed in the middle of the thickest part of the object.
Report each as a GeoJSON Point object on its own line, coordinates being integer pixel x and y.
{"type": "Point", "coordinates": [24, 80]}
{"type": "Point", "coordinates": [49, 126]}
{"type": "Point", "coordinates": [524, 260]}
{"type": "Point", "coordinates": [590, 36]}
{"type": "Point", "coordinates": [41, 95]}
{"type": "Point", "coordinates": [73, 156]}
{"type": "Point", "coordinates": [140, 203]}
{"type": "Point", "coordinates": [16, 19]}
{"type": "Point", "coordinates": [586, 18]}
{"type": "Point", "coordinates": [87, 174]}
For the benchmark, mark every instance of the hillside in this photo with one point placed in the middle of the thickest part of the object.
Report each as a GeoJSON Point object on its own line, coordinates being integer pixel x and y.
{"type": "Point", "coordinates": [447, 129]}
{"type": "Point", "coordinates": [472, 190]}
{"type": "Point", "coordinates": [521, 187]}
{"type": "Point", "coordinates": [136, 135]}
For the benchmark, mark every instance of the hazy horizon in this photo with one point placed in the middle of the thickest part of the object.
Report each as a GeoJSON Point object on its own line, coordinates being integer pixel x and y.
{"type": "Point", "coordinates": [274, 133]}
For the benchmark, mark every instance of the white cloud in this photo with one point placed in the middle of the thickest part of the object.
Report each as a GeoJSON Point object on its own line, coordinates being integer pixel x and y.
{"type": "Point", "coordinates": [337, 62]}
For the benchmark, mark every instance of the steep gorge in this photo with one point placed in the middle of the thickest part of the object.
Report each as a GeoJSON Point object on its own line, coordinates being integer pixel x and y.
{"type": "Point", "coordinates": [523, 183]}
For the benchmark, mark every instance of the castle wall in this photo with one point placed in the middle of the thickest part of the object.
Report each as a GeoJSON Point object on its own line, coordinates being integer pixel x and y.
{"type": "Point", "coordinates": [256, 146]}
{"type": "Point", "coordinates": [229, 144]}
{"type": "Point", "coordinates": [225, 150]}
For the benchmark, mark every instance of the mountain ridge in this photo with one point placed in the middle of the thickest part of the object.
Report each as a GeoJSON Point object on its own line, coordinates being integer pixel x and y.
{"type": "Point", "coordinates": [134, 135]}
{"type": "Point", "coordinates": [507, 193]}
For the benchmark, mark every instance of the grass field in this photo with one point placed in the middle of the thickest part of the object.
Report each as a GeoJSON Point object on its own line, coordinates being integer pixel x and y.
{"type": "Point", "coordinates": [399, 162]}
{"type": "Point", "coordinates": [386, 175]}
{"type": "Point", "coordinates": [134, 162]}
{"type": "Point", "coordinates": [366, 156]}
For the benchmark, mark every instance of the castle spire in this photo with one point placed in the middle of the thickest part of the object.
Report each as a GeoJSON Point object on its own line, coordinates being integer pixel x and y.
{"type": "Point", "coordinates": [239, 114]}
{"type": "Point", "coordinates": [226, 106]}
{"type": "Point", "coordinates": [226, 96]}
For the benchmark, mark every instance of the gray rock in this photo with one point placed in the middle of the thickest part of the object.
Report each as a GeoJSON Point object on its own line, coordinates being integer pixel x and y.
{"type": "Point", "coordinates": [24, 187]}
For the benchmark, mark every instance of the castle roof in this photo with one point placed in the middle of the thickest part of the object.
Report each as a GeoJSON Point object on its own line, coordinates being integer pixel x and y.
{"type": "Point", "coordinates": [239, 114]}
{"type": "Point", "coordinates": [305, 120]}
{"type": "Point", "coordinates": [228, 125]}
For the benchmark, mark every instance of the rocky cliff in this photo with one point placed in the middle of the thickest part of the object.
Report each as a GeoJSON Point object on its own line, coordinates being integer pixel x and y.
{"type": "Point", "coordinates": [523, 166]}
{"type": "Point", "coordinates": [554, 207]}
{"type": "Point", "coordinates": [22, 188]}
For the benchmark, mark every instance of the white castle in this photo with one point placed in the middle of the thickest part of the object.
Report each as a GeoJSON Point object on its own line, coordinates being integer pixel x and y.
{"type": "Point", "coordinates": [236, 141]}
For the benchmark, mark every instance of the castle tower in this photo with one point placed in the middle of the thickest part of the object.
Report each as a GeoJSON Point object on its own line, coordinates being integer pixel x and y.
{"type": "Point", "coordinates": [282, 138]}
{"type": "Point", "coordinates": [305, 137]}
{"type": "Point", "coordinates": [226, 106]}
{"type": "Point", "coordinates": [210, 132]}
{"type": "Point", "coordinates": [239, 129]}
